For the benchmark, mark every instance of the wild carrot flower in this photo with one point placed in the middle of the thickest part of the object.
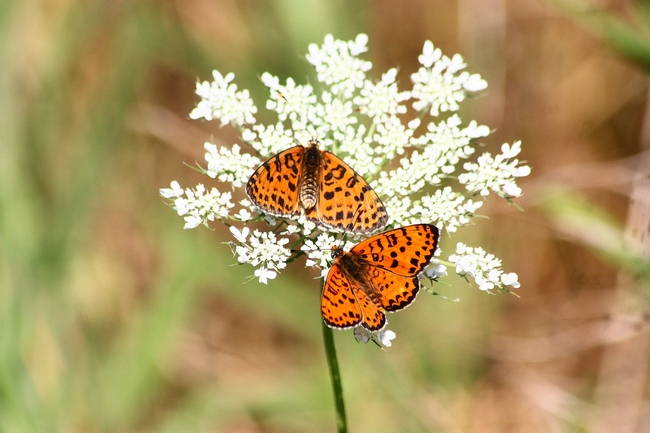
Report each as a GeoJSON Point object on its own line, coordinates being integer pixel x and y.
{"type": "Point", "coordinates": [424, 170]}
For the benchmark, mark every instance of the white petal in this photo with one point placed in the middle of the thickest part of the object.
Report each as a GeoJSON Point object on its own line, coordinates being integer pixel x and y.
{"type": "Point", "coordinates": [174, 191]}
{"type": "Point", "coordinates": [384, 337]}
{"type": "Point", "coordinates": [240, 235]}
{"type": "Point", "coordinates": [510, 280]}
{"type": "Point", "coordinates": [361, 334]}
{"type": "Point", "coordinates": [522, 171]}
{"type": "Point", "coordinates": [511, 189]}
{"type": "Point", "coordinates": [265, 274]}
{"type": "Point", "coordinates": [192, 221]}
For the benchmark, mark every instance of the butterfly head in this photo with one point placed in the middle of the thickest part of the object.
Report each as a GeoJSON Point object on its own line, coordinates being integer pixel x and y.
{"type": "Point", "coordinates": [337, 251]}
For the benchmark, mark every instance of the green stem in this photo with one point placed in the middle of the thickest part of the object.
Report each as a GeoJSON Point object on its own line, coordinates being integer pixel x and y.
{"type": "Point", "coordinates": [333, 363]}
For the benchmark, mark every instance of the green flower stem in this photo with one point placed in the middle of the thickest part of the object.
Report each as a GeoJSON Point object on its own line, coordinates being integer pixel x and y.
{"type": "Point", "coordinates": [335, 374]}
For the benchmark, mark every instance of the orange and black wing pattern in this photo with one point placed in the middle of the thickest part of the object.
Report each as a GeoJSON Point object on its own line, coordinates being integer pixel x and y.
{"type": "Point", "coordinates": [331, 192]}
{"type": "Point", "coordinates": [379, 274]}
{"type": "Point", "coordinates": [339, 306]}
{"type": "Point", "coordinates": [346, 201]}
{"type": "Point", "coordinates": [275, 185]}
{"type": "Point", "coordinates": [345, 303]}
{"type": "Point", "coordinates": [402, 251]}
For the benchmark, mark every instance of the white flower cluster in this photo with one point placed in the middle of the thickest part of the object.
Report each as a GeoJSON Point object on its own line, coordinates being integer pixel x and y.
{"type": "Point", "coordinates": [319, 251]}
{"type": "Point", "coordinates": [438, 85]}
{"type": "Point", "coordinates": [449, 208]}
{"type": "Point", "coordinates": [451, 142]}
{"type": "Point", "coordinates": [221, 100]}
{"type": "Point", "coordinates": [442, 148]}
{"type": "Point", "coordinates": [358, 119]}
{"type": "Point", "coordinates": [497, 174]}
{"type": "Point", "coordinates": [338, 65]}
{"type": "Point", "coordinates": [198, 206]}
{"type": "Point", "coordinates": [228, 165]}
{"type": "Point", "coordinates": [269, 140]}
{"type": "Point", "coordinates": [483, 267]}
{"type": "Point", "coordinates": [262, 250]}
{"type": "Point", "coordinates": [382, 98]}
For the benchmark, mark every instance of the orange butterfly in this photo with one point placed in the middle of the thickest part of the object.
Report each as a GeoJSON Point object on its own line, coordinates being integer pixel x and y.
{"type": "Point", "coordinates": [331, 192]}
{"type": "Point", "coordinates": [379, 274]}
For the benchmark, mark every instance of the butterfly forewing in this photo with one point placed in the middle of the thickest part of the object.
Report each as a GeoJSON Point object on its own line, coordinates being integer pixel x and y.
{"type": "Point", "coordinates": [346, 200]}
{"type": "Point", "coordinates": [274, 186]}
{"type": "Point", "coordinates": [403, 251]}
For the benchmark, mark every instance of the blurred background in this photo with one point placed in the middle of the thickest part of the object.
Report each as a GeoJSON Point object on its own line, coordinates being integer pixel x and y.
{"type": "Point", "coordinates": [115, 319]}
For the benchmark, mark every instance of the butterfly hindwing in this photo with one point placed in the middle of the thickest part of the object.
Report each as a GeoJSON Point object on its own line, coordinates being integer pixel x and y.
{"type": "Point", "coordinates": [339, 305]}
{"type": "Point", "coordinates": [394, 292]}
{"type": "Point", "coordinates": [374, 318]}
{"type": "Point", "coordinates": [275, 186]}
{"type": "Point", "coordinates": [345, 303]}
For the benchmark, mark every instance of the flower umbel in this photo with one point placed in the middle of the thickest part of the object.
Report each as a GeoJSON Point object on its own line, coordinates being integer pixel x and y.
{"type": "Point", "coordinates": [229, 165]}
{"type": "Point", "coordinates": [221, 100]}
{"type": "Point", "coordinates": [262, 250]}
{"type": "Point", "coordinates": [483, 267]}
{"type": "Point", "coordinates": [439, 85]}
{"type": "Point", "coordinates": [426, 173]}
{"type": "Point", "coordinates": [497, 173]}
{"type": "Point", "coordinates": [198, 206]}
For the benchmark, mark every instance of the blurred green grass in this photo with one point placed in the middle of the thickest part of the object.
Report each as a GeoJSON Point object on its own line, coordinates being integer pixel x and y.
{"type": "Point", "coordinates": [114, 319]}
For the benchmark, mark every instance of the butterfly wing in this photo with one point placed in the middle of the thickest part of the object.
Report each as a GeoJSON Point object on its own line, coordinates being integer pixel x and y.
{"type": "Point", "coordinates": [394, 292]}
{"type": "Point", "coordinates": [392, 261]}
{"type": "Point", "coordinates": [339, 306]}
{"type": "Point", "coordinates": [345, 304]}
{"type": "Point", "coordinates": [275, 185]}
{"type": "Point", "coordinates": [374, 318]}
{"type": "Point", "coordinates": [346, 201]}
{"type": "Point", "coordinates": [404, 251]}
{"type": "Point", "coordinates": [381, 274]}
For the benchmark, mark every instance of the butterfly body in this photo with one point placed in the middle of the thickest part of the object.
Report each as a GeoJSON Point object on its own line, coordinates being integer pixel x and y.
{"type": "Point", "coordinates": [377, 275]}
{"type": "Point", "coordinates": [311, 173]}
{"type": "Point", "coordinates": [331, 193]}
